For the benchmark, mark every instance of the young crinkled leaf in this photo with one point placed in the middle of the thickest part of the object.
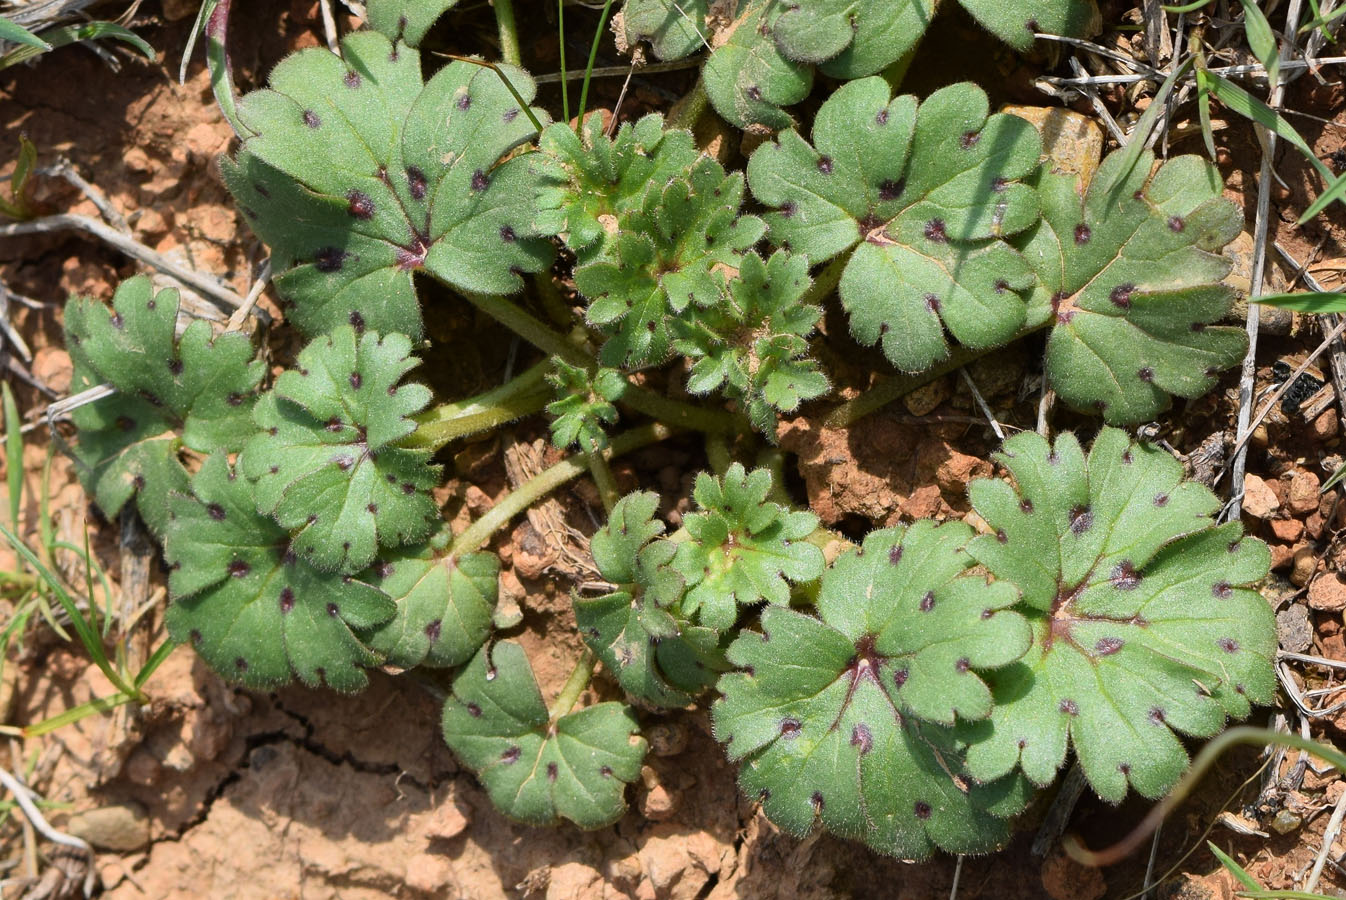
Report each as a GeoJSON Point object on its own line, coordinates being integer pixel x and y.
{"type": "Point", "coordinates": [593, 183]}
{"type": "Point", "coordinates": [444, 607]}
{"type": "Point", "coordinates": [1146, 625]}
{"type": "Point", "coordinates": [357, 176]}
{"type": "Point", "coordinates": [832, 720]}
{"type": "Point", "coordinates": [254, 611]}
{"type": "Point", "coordinates": [921, 199]}
{"type": "Point", "coordinates": [743, 549]}
{"type": "Point", "coordinates": [638, 631]}
{"type": "Point", "coordinates": [406, 20]}
{"type": "Point", "coordinates": [747, 78]}
{"type": "Point", "coordinates": [583, 405]}
{"type": "Point", "coordinates": [672, 28]}
{"type": "Point", "coordinates": [325, 461]}
{"type": "Point", "coordinates": [196, 390]}
{"type": "Point", "coordinates": [535, 771]}
{"type": "Point", "coordinates": [1133, 276]}
{"type": "Point", "coordinates": [754, 347]}
{"type": "Point", "coordinates": [677, 250]}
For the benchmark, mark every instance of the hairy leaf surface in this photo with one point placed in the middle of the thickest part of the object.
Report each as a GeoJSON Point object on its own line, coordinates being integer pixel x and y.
{"type": "Point", "coordinates": [1134, 279]}
{"type": "Point", "coordinates": [754, 347]}
{"type": "Point", "coordinates": [325, 463]}
{"type": "Point", "coordinates": [444, 607]}
{"type": "Point", "coordinates": [199, 386]}
{"type": "Point", "coordinates": [826, 717]}
{"type": "Point", "coordinates": [254, 611]}
{"type": "Point", "coordinates": [406, 20]}
{"type": "Point", "coordinates": [583, 406]}
{"type": "Point", "coordinates": [748, 79]}
{"type": "Point", "coordinates": [1146, 625]}
{"type": "Point", "coordinates": [921, 198]}
{"type": "Point", "coordinates": [537, 772]}
{"type": "Point", "coordinates": [672, 28]}
{"type": "Point", "coordinates": [743, 548]}
{"type": "Point", "coordinates": [358, 175]}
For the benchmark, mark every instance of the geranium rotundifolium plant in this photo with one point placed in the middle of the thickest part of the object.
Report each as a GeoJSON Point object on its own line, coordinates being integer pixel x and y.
{"type": "Point", "coordinates": [919, 198]}
{"type": "Point", "coordinates": [909, 694]}
{"type": "Point", "coordinates": [540, 769]}
{"type": "Point", "coordinates": [325, 460]}
{"type": "Point", "coordinates": [193, 391]}
{"type": "Point", "coordinates": [358, 175]}
{"type": "Point", "coordinates": [1147, 625]}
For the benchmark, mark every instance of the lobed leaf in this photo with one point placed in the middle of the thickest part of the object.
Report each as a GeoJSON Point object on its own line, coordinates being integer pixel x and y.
{"type": "Point", "coordinates": [406, 20]}
{"type": "Point", "coordinates": [754, 347]}
{"type": "Point", "coordinates": [1133, 277]}
{"type": "Point", "coordinates": [535, 771]}
{"type": "Point", "coordinates": [743, 549]}
{"type": "Point", "coordinates": [1146, 622]}
{"type": "Point", "coordinates": [358, 175]}
{"type": "Point", "coordinates": [196, 390]}
{"type": "Point", "coordinates": [255, 612]}
{"type": "Point", "coordinates": [673, 28]}
{"type": "Point", "coordinates": [826, 716]}
{"type": "Point", "coordinates": [677, 250]}
{"type": "Point", "coordinates": [325, 462]}
{"type": "Point", "coordinates": [444, 607]}
{"type": "Point", "coordinates": [583, 405]}
{"type": "Point", "coordinates": [748, 80]}
{"type": "Point", "coordinates": [921, 198]}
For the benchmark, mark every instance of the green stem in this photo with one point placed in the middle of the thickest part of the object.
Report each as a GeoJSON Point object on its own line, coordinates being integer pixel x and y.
{"type": "Point", "coordinates": [221, 74]}
{"type": "Point", "coordinates": [509, 32]}
{"type": "Point", "coordinates": [479, 532]}
{"type": "Point", "coordinates": [1257, 737]}
{"type": "Point", "coordinates": [826, 282]}
{"type": "Point", "coordinates": [717, 453]}
{"type": "Point", "coordinates": [687, 112]}
{"type": "Point", "coordinates": [606, 483]}
{"type": "Point", "coordinates": [593, 58]}
{"type": "Point", "coordinates": [682, 415]}
{"type": "Point", "coordinates": [529, 327]}
{"type": "Point", "coordinates": [561, 36]}
{"type": "Point", "coordinates": [574, 686]}
{"type": "Point", "coordinates": [894, 387]}
{"type": "Point", "coordinates": [552, 302]}
{"type": "Point", "coordinates": [523, 395]}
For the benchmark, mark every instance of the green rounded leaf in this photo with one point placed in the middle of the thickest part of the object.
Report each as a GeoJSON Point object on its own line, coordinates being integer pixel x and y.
{"type": "Point", "coordinates": [748, 79]}
{"type": "Point", "coordinates": [852, 38]}
{"type": "Point", "coordinates": [743, 549]}
{"type": "Point", "coordinates": [254, 611]}
{"type": "Point", "coordinates": [538, 772]}
{"type": "Point", "coordinates": [1017, 21]}
{"type": "Point", "coordinates": [826, 717]}
{"type": "Point", "coordinates": [1133, 278]}
{"type": "Point", "coordinates": [325, 463]}
{"type": "Point", "coordinates": [406, 20]}
{"type": "Point", "coordinates": [921, 197]}
{"type": "Point", "coordinates": [1146, 625]}
{"type": "Point", "coordinates": [357, 176]}
{"type": "Point", "coordinates": [444, 607]}
{"type": "Point", "coordinates": [197, 389]}
{"type": "Point", "coordinates": [672, 28]}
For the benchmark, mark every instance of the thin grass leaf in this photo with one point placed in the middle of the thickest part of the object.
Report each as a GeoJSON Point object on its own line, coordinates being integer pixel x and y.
{"type": "Point", "coordinates": [1186, 8]}
{"type": "Point", "coordinates": [1245, 104]}
{"type": "Point", "coordinates": [1261, 39]}
{"type": "Point", "coordinates": [1234, 868]}
{"type": "Point", "coordinates": [13, 456]}
{"type": "Point", "coordinates": [16, 34]}
{"type": "Point", "coordinates": [1281, 895]}
{"type": "Point", "coordinates": [1335, 480]}
{"type": "Point", "coordinates": [1336, 190]}
{"type": "Point", "coordinates": [202, 17]}
{"type": "Point", "coordinates": [1135, 144]}
{"type": "Point", "coordinates": [65, 35]}
{"type": "Point", "coordinates": [1322, 21]}
{"type": "Point", "coordinates": [1203, 113]}
{"type": "Point", "coordinates": [1317, 302]}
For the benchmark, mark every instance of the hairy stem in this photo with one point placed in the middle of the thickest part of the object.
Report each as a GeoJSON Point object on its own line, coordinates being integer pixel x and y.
{"type": "Point", "coordinates": [687, 112]}
{"type": "Point", "coordinates": [521, 396]}
{"type": "Point", "coordinates": [509, 32]}
{"type": "Point", "coordinates": [603, 478]}
{"type": "Point", "coordinates": [221, 76]}
{"type": "Point", "coordinates": [479, 532]}
{"type": "Point", "coordinates": [896, 386]}
{"type": "Point", "coordinates": [680, 414]}
{"type": "Point", "coordinates": [826, 282]}
{"type": "Point", "coordinates": [574, 686]}
{"type": "Point", "coordinates": [717, 453]}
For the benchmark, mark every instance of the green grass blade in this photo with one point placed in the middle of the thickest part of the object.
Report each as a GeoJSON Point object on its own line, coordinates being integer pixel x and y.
{"type": "Point", "coordinates": [1234, 868]}
{"type": "Point", "coordinates": [1281, 895]}
{"type": "Point", "coordinates": [1186, 8]}
{"type": "Point", "coordinates": [1335, 190]}
{"type": "Point", "coordinates": [593, 57]}
{"type": "Point", "coordinates": [64, 35]}
{"type": "Point", "coordinates": [1261, 39]}
{"type": "Point", "coordinates": [1245, 104]}
{"type": "Point", "coordinates": [13, 456]}
{"type": "Point", "coordinates": [1316, 302]}
{"type": "Point", "coordinates": [1135, 144]}
{"type": "Point", "coordinates": [202, 16]}
{"type": "Point", "coordinates": [1322, 21]}
{"type": "Point", "coordinates": [561, 37]}
{"type": "Point", "coordinates": [16, 34]}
